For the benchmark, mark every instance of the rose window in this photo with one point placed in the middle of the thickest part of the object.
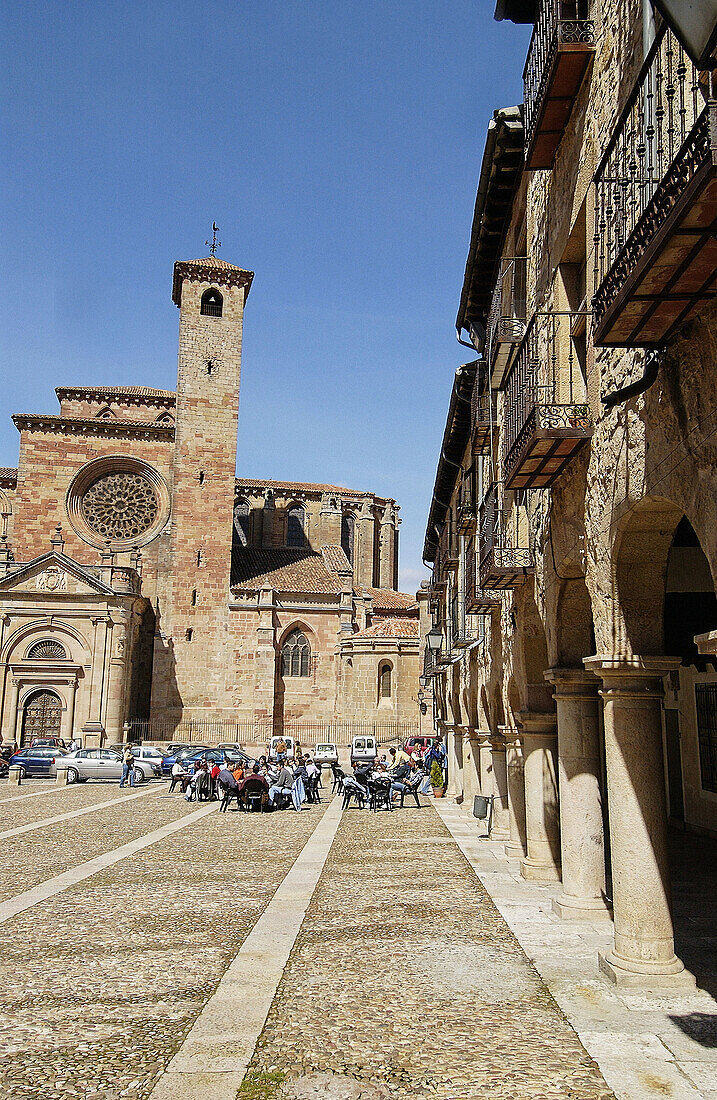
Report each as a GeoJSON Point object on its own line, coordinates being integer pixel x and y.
{"type": "Point", "coordinates": [120, 506]}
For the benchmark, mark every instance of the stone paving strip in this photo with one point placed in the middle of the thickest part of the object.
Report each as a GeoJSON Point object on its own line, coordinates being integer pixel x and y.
{"type": "Point", "coordinates": [38, 856]}
{"type": "Point", "coordinates": [101, 983]}
{"type": "Point", "coordinates": [214, 1057]}
{"type": "Point", "coordinates": [405, 981]}
{"type": "Point", "coordinates": [43, 822]}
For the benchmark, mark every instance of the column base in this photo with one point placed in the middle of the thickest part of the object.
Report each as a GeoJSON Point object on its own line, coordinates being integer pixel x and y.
{"type": "Point", "coordinates": [514, 850]}
{"type": "Point", "coordinates": [573, 908]}
{"type": "Point", "coordinates": [645, 975]}
{"type": "Point", "coordinates": [499, 835]}
{"type": "Point", "coordinates": [533, 871]}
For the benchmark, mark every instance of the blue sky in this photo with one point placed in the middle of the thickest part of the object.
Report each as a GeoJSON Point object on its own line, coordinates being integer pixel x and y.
{"type": "Point", "coordinates": [336, 143]}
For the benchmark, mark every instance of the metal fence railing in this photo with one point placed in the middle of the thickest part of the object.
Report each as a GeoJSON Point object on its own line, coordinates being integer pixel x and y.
{"type": "Point", "coordinates": [307, 731]}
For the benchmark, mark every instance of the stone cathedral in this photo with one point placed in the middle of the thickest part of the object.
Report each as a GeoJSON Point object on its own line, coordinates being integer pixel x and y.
{"type": "Point", "coordinates": [141, 579]}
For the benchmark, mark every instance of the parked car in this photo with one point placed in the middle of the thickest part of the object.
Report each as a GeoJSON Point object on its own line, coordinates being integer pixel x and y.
{"type": "Point", "coordinates": [84, 764]}
{"type": "Point", "coordinates": [288, 741]}
{"type": "Point", "coordinates": [326, 753]}
{"type": "Point", "coordinates": [231, 757]}
{"type": "Point", "coordinates": [363, 749]}
{"type": "Point", "coordinates": [48, 742]}
{"type": "Point", "coordinates": [169, 758]}
{"type": "Point", "coordinates": [229, 746]}
{"type": "Point", "coordinates": [36, 760]}
{"type": "Point", "coordinates": [422, 744]}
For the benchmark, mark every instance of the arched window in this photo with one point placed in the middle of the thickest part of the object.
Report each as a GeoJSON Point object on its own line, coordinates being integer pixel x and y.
{"type": "Point", "coordinates": [212, 303]}
{"type": "Point", "coordinates": [46, 651]}
{"type": "Point", "coordinates": [105, 414]}
{"type": "Point", "coordinates": [295, 523]}
{"type": "Point", "coordinates": [347, 535]}
{"type": "Point", "coordinates": [296, 655]}
{"type": "Point", "coordinates": [384, 682]}
{"type": "Point", "coordinates": [241, 522]}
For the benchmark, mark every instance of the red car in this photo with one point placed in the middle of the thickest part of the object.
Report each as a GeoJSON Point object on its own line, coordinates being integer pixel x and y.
{"type": "Point", "coordinates": [420, 744]}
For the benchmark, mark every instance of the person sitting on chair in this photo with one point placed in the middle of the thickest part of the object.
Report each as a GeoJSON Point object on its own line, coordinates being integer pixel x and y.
{"type": "Point", "coordinates": [179, 777]}
{"type": "Point", "coordinates": [254, 774]}
{"type": "Point", "coordinates": [282, 785]}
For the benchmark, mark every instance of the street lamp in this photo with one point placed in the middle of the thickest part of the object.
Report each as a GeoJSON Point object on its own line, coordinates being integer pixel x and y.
{"type": "Point", "coordinates": [423, 681]}
{"type": "Point", "coordinates": [434, 640]}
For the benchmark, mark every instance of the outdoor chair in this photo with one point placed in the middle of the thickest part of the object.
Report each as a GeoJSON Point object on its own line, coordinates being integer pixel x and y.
{"type": "Point", "coordinates": [411, 789]}
{"type": "Point", "coordinates": [312, 790]}
{"type": "Point", "coordinates": [339, 776]}
{"type": "Point", "coordinates": [380, 794]}
{"type": "Point", "coordinates": [228, 793]}
{"type": "Point", "coordinates": [353, 789]}
{"type": "Point", "coordinates": [254, 796]}
{"type": "Point", "coordinates": [180, 780]}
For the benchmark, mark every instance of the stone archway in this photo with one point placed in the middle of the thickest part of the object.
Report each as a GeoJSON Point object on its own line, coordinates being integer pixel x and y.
{"type": "Point", "coordinates": [41, 716]}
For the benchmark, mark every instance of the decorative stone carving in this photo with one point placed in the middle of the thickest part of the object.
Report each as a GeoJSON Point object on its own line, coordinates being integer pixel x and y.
{"type": "Point", "coordinates": [120, 505]}
{"type": "Point", "coordinates": [52, 580]}
{"type": "Point", "coordinates": [47, 650]}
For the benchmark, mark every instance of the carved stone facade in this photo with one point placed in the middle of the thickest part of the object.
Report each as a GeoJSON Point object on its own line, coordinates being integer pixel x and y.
{"type": "Point", "coordinates": [171, 586]}
{"type": "Point", "coordinates": [592, 682]}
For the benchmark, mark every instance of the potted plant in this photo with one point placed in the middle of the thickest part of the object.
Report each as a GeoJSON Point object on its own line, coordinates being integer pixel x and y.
{"type": "Point", "coordinates": [437, 779]}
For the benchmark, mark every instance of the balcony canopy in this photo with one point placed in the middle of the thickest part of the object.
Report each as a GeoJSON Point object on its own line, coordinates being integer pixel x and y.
{"type": "Point", "coordinates": [517, 11]}
{"type": "Point", "coordinates": [499, 176]}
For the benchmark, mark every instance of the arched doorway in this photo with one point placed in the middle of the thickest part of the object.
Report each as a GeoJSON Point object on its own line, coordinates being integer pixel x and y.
{"type": "Point", "coordinates": [41, 716]}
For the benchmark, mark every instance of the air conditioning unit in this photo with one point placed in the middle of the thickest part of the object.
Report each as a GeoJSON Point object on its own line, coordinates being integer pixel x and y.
{"type": "Point", "coordinates": [510, 330]}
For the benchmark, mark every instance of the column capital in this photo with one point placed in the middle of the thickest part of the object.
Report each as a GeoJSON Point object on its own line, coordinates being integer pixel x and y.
{"type": "Point", "coordinates": [538, 723]}
{"type": "Point", "coordinates": [478, 735]}
{"type": "Point", "coordinates": [510, 734]}
{"type": "Point", "coordinates": [573, 682]}
{"type": "Point", "coordinates": [635, 675]}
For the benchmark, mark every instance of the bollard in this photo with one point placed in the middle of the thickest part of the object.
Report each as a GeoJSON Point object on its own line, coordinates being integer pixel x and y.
{"type": "Point", "coordinates": [61, 779]}
{"type": "Point", "coordinates": [15, 774]}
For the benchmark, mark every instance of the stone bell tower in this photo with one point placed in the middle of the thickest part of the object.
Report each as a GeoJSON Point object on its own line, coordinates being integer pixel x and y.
{"type": "Point", "coordinates": [210, 294]}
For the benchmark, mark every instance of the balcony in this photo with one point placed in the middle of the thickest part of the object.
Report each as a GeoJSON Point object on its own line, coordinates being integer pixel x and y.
{"type": "Point", "coordinates": [656, 204]}
{"type": "Point", "coordinates": [560, 52]}
{"type": "Point", "coordinates": [546, 418]}
{"type": "Point", "coordinates": [502, 562]}
{"type": "Point", "coordinates": [477, 599]}
{"type": "Point", "coordinates": [507, 317]}
{"type": "Point", "coordinates": [484, 418]}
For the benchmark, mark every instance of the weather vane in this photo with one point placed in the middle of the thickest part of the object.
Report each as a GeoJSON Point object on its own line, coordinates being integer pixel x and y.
{"type": "Point", "coordinates": [215, 243]}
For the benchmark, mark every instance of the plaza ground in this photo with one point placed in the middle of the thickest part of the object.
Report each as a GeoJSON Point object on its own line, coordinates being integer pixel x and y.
{"type": "Point", "coordinates": [156, 948]}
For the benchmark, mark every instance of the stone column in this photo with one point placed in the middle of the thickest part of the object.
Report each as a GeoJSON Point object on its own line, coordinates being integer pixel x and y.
{"type": "Point", "coordinates": [582, 844]}
{"type": "Point", "coordinates": [363, 545]}
{"type": "Point", "coordinates": [455, 789]}
{"type": "Point", "coordinates": [387, 548]}
{"type": "Point", "coordinates": [644, 950]}
{"type": "Point", "coordinates": [516, 846]}
{"type": "Point", "coordinates": [500, 823]}
{"type": "Point", "coordinates": [540, 751]}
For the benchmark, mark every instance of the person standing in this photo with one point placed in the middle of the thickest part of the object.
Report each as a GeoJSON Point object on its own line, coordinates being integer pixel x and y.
{"type": "Point", "coordinates": [127, 767]}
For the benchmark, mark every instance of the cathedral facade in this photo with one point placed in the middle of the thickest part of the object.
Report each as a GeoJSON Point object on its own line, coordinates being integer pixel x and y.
{"type": "Point", "coordinates": [141, 580]}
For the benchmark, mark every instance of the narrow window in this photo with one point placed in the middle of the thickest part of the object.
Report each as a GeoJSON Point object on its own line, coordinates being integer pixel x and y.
{"type": "Point", "coordinates": [194, 597]}
{"type": "Point", "coordinates": [384, 682]}
{"type": "Point", "coordinates": [296, 655]}
{"type": "Point", "coordinates": [210, 366]}
{"type": "Point", "coordinates": [199, 557]}
{"type": "Point", "coordinates": [347, 535]}
{"type": "Point", "coordinates": [295, 524]}
{"type": "Point", "coordinates": [241, 522]}
{"type": "Point", "coordinates": [189, 633]}
{"type": "Point", "coordinates": [212, 303]}
{"type": "Point", "coordinates": [201, 477]}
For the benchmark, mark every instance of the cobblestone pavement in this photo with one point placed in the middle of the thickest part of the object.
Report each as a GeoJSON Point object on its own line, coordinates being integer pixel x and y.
{"type": "Point", "coordinates": [406, 982]}
{"type": "Point", "coordinates": [99, 985]}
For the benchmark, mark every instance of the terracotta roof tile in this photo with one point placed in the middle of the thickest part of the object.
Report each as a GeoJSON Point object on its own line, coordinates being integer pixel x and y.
{"type": "Point", "coordinates": [386, 598]}
{"type": "Point", "coordinates": [390, 627]}
{"type": "Point", "coordinates": [335, 559]}
{"type": "Point", "coordinates": [287, 569]}
{"type": "Point", "coordinates": [8, 473]}
{"type": "Point", "coordinates": [212, 261]}
{"type": "Point", "coordinates": [117, 391]}
{"type": "Point", "coordinates": [299, 486]}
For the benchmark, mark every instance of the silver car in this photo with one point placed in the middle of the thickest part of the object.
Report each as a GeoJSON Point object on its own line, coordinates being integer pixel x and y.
{"type": "Point", "coordinates": [84, 764]}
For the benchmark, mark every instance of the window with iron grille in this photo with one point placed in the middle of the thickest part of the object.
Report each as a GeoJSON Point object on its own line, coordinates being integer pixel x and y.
{"type": "Point", "coordinates": [706, 699]}
{"type": "Point", "coordinates": [212, 303]}
{"type": "Point", "coordinates": [241, 522]}
{"type": "Point", "coordinates": [296, 655]}
{"type": "Point", "coordinates": [384, 682]}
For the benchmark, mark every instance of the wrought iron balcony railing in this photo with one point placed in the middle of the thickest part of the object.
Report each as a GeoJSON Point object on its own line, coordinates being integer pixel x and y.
{"type": "Point", "coordinates": [655, 245]}
{"type": "Point", "coordinates": [466, 511]}
{"type": "Point", "coordinates": [507, 316]}
{"type": "Point", "coordinates": [502, 563]}
{"type": "Point", "coordinates": [546, 418]}
{"type": "Point", "coordinates": [560, 51]}
{"type": "Point", "coordinates": [477, 598]}
{"type": "Point", "coordinates": [484, 419]}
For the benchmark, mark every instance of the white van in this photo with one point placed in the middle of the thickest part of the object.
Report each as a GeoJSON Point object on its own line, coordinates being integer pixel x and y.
{"type": "Point", "coordinates": [288, 741]}
{"type": "Point", "coordinates": [363, 750]}
{"type": "Point", "coordinates": [326, 752]}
